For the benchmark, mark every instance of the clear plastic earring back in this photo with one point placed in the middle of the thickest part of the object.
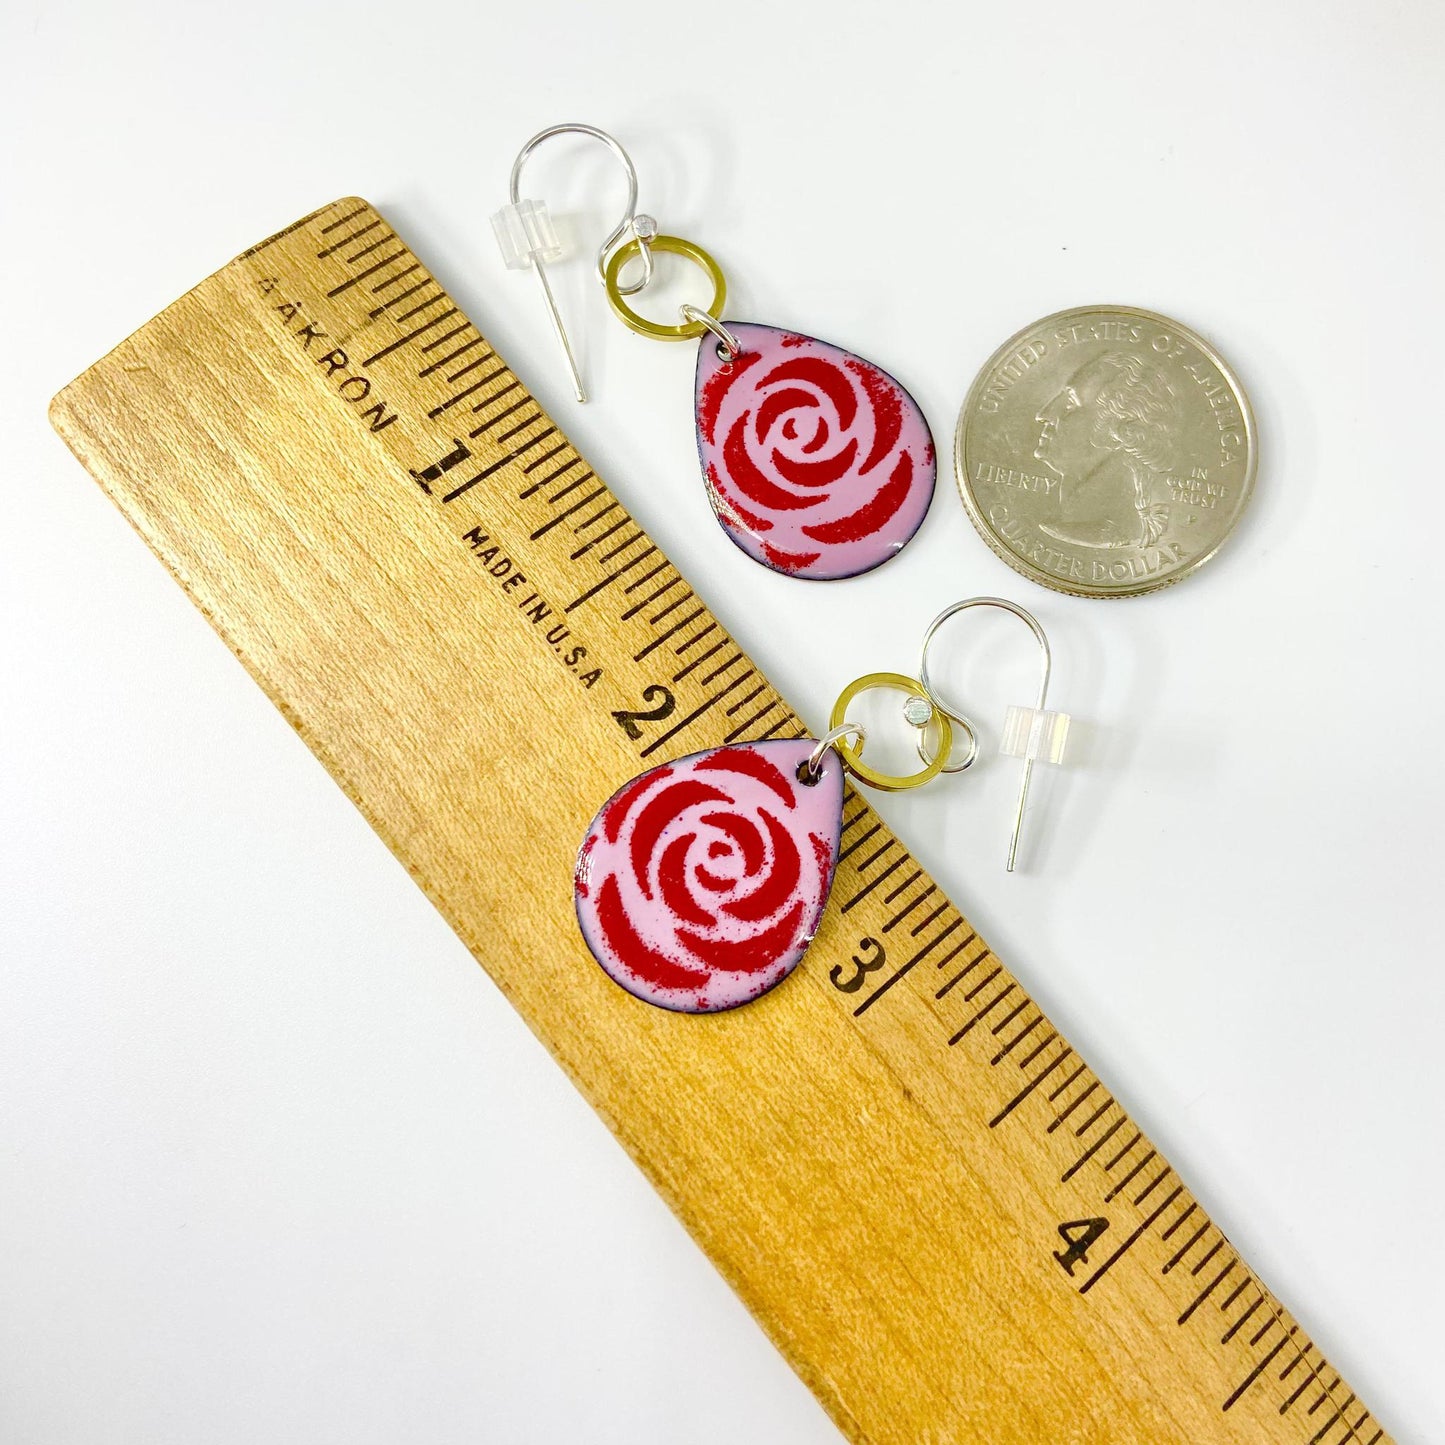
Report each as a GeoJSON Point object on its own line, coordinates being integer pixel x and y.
{"type": "Point", "coordinates": [1035, 734]}
{"type": "Point", "coordinates": [525, 235]}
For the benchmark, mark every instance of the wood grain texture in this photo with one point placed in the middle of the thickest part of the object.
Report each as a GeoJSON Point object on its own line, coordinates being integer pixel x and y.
{"type": "Point", "coordinates": [406, 553]}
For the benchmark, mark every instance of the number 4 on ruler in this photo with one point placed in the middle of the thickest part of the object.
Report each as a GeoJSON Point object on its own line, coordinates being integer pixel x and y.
{"type": "Point", "coordinates": [1080, 1235]}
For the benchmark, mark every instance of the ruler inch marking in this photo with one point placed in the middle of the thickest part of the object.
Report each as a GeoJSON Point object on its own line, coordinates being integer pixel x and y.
{"type": "Point", "coordinates": [568, 489]}
{"type": "Point", "coordinates": [446, 336]}
{"type": "Point", "coordinates": [586, 522]}
{"type": "Point", "coordinates": [875, 855]}
{"type": "Point", "coordinates": [1240, 1323]}
{"type": "Point", "coordinates": [1336, 1418]}
{"type": "Point", "coordinates": [1134, 1138]}
{"type": "Point", "coordinates": [601, 585]}
{"type": "Point", "coordinates": [444, 361]}
{"type": "Point", "coordinates": [367, 250]}
{"type": "Point", "coordinates": [701, 658]}
{"type": "Point", "coordinates": [347, 240]}
{"type": "Point", "coordinates": [688, 642]}
{"type": "Point", "coordinates": [563, 515]}
{"type": "Point", "coordinates": [859, 841]}
{"type": "Point", "coordinates": [1256, 1372]}
{"type": "Point", "coordinates": [1209, 1254]}
{"type": "Point", "coordinates": [362, 275]}
{"type": "Point", "coordinates": [1094, 1118]}
{"type": "Point", "coordinates": [722, 667]}
{"type": "Point", "coordinates": [773, 729]}
{"type": "Point", "coordinates": [1152, 1185]}
{"type": "Point", "coordinates": [868, 888]}
{"type": "Point", "coordinates": [968, 938]}
{"type": "Point", "coordinates": [697, 712]}
{"type": "Point", "coordinates": [925, 949]}
{"type": "Point", "coordinates": [1234, 1294]}
{"type": "Point", "coordinates": [906, 967]}
{"type": "Point", "coordinates": [556, 472]}
{"type": "Point", "coordinates": [458, 397]}
{"type": "Point", "coordinates": [668, 632]}
{"type": "Point", "coordinates": [1014, 1042]}
{"type": "Point", "coordinates": [963, 973]}
{"type": "Point", "coordinates": [647, 577]}
{"type": "Point", "coordinates": [948, 986]}
{"type": "Point", "coordinates": [1092, 1150]}
{"type": "Point", "coordinates": [515, 431]}
{"type": "Point", "coordinates": [693, 641]}
{"type": "Point", "coordinates": [546, 457]}
{"type": "Point", "coordinates": [1193, 1206]}
{"type": "Point", "coordinates": [736, 735]}
{"type": "Point", "coordinates": [1028, 1089]}
{"type": "Point", "coordinates": [461, 371]}
{"type": "Point", "coordinates": [325, 230]}
{"type": "Point", "coordinates": [924, 922]}
{"type": "Point", "coordinates": [1128, 1179]}
{"type": "Point", "coordinates": [1208, 1290]}
{"type": "Point", "coordinates": [1060, 1119]}
{"type": "Point", "coordinates": [425, 306]}
{"type": "Point", "coordinates": [742, 702]}
{"type": "Point", "coordinates": [1010, 1016]}
{"type": "Point", "coordinates": [482, 428]}
{"type": "Point", "coordinates": [622, 546]}
{"type": "Point", "coordinates": [987, 1009]}
{"type": "Point", "coordinates": [1038, 1048]}
{"type": "Point", "coordinates": [638, 607]}
{"type": "Point", "coordinates": [409, 337]}
{"type": "Point", "coordinates": [532, 488]}
{"type": "Point", "coordinates": [1188, 1244]}
{"type": "Point", "coordinates": [1135, 1236]}
{"type": "Point", "coordinates": [391, 281]}
{"type": "Point", "coordinates": [903, 913]}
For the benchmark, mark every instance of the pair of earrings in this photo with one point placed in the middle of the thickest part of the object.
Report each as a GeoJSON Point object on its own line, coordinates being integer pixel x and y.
{"type": "Point", "coordinates": [817, 463]}
{"type": "Point", "coordinates": [700, 883]}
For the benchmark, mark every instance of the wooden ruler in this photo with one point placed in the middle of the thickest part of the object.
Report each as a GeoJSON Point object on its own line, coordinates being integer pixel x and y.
{"type": "Point", "coordinates": [941, 1216]}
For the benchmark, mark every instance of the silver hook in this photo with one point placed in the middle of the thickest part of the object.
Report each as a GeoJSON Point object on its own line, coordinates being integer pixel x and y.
{"type": "Point", "coordinates": [1047, 660]}
{"type": "Point", "coordinates": [641, 228]}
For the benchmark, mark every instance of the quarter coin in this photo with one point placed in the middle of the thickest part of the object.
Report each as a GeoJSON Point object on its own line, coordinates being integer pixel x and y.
{"type": "Point", "coordinates": [1106, 451]}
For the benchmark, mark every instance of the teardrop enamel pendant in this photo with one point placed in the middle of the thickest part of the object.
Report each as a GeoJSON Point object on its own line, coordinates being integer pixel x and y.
{"type": "Point", "coordinates": [817, 463]}
{"type": "Point", "coordinates": [700, 883]}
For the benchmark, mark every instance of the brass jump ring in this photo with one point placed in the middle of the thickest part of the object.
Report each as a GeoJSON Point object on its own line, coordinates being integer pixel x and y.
{"type": "Point", "coordinates": [659, 331]}
{"type": "Point", "coordinates": [851, 753]}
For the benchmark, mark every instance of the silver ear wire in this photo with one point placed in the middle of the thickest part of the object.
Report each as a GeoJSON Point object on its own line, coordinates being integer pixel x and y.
{"type": "Point", "coordinates": [1029, 733]}
{"type": "Point", "coordinates": [527, 239]}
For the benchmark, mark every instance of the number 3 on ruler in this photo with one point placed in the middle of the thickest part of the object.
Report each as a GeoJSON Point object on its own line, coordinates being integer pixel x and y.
{"type": "Point", "coordinates": [665, 703]}
{"type": "Point", "coordinates": [862, 966]}
{"type": "Point", "coordinates": [1080, 1235]}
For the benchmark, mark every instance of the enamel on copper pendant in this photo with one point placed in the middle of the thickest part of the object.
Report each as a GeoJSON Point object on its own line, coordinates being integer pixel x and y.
{"type": "Point", "coordinates": [700, 883]}
{"type": "Point", "coordinates": [817, 463]}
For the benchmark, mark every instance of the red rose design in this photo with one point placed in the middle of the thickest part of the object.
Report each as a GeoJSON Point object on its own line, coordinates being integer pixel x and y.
{"type": "Point", "coordinates": [817, 462]}
{"type": "Point", "coordinates": [700, 883]}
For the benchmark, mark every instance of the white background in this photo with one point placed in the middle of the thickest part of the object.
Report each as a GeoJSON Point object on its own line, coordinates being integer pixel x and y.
{"type": "Point", "coordinates": [276, 1160]}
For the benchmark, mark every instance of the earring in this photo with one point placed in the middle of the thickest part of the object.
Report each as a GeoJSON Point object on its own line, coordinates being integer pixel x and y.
{"type": "Point", "coordinates": [700, 884]}
{"type": "Point", "coordinates": [817, 463]}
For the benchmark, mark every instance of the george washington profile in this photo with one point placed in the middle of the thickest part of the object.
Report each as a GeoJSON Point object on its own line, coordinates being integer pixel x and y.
{"type": "Point", "coordinates": [1111, 434]}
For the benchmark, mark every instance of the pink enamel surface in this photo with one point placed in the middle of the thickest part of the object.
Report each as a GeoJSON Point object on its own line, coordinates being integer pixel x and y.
{"type": "Point", "coordinates": [701, 883]}
{"type": "Point", "coordinates": [817, 463]}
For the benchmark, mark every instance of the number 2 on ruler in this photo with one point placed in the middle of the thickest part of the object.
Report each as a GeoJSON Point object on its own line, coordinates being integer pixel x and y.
{"type": "Point", "coordinates": [664, 705]}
